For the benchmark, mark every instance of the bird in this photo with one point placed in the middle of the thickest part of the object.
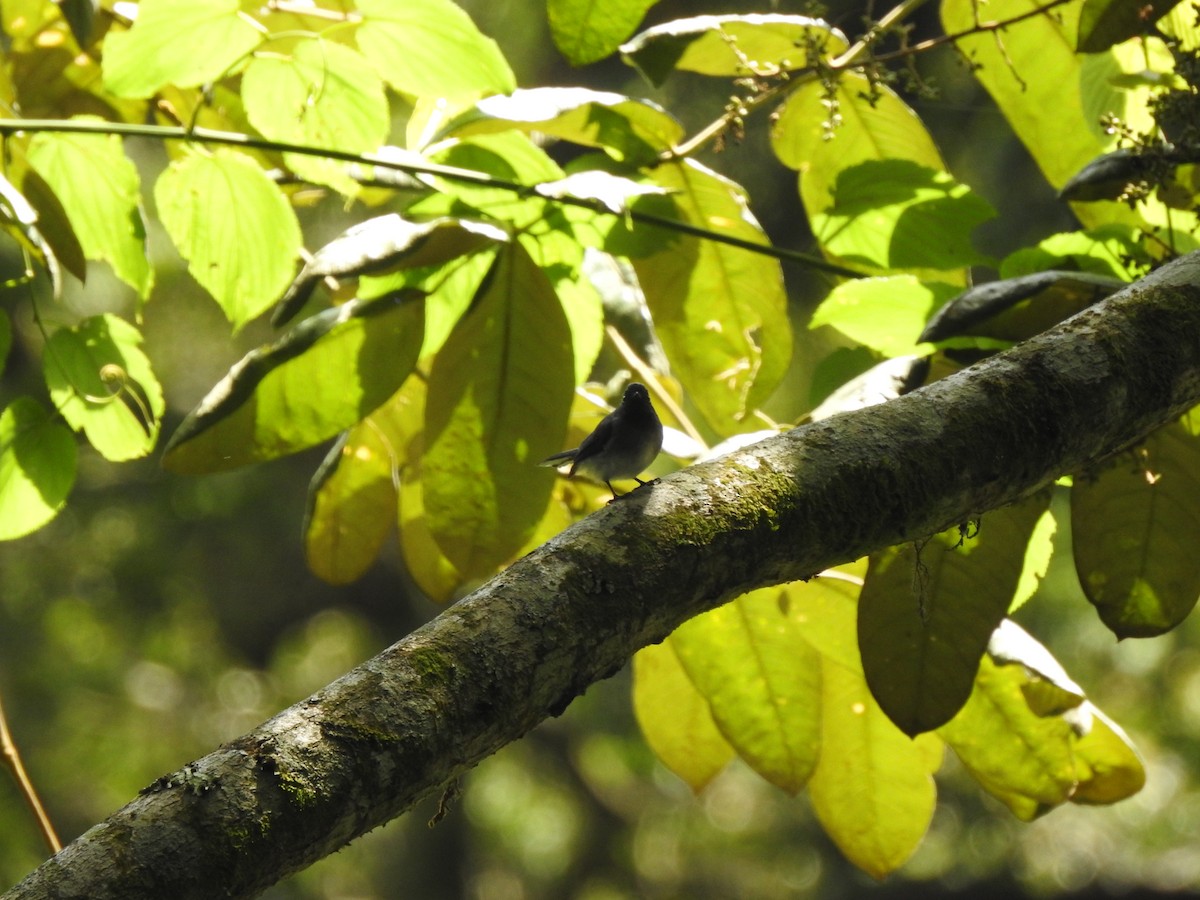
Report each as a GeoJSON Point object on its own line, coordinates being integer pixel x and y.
{"type": "Point", "coordinates": [623, 445]}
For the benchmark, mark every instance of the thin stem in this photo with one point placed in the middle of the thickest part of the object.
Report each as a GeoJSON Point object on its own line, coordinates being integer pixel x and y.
{"type": "Point", "coordinates": [977, 28]}
{"type": "Point", "coordinates": [450, 173]}
{"type": "Point", "coordinates": [12, 759]}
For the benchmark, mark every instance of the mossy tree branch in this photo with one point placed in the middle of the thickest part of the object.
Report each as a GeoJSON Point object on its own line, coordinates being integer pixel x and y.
{"type": "Point", "coordinates": [407, 723]}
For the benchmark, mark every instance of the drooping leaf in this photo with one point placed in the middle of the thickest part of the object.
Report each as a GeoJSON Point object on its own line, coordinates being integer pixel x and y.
{"type": "Point", "coordinates": [926, 614]}
{"type": "Point", "coordinates": [873, 789]}
{"type": "Point", "coordinates": [885, 314]}
{"type": "Point", "coordinates": [382, 243]}
{"type": "Point", "coordinates": [431, 48]}
{"type": "Point", "coordinates": [321, 377]}
{"type": "Point", "coordinates": [53, 224]}
{"type": "Point", "coordinates": [630, 130]}
{"type": "Point", "coordinates": [720, 311]}
{"type": "Point", "coordinates": [1018, 308]}
{"type": "Point", "coordinates": [897, 214]}
{"type": "Point", "coordinates": [675, 718]}
{"type": "Point", "coordinates": [179, 42]}
{"type": "Point", "coordinates": [322, 94]}
{"type": "Point", "coordinates": [732, 46]}
{"type": "Point", "coordinates": [1131, 526]}
{"type": "Point", "coordinates": [499, 393]}
{"type": "Point", "coordinates": [1024, 760]}
{"type": "Point", "coordinates": [37, 467]}
{"type": "Point", "coordinates": [102, 384]}
{"type": "Point", "coordinates": [1103, 23]}
{"type": "Point", "coordinates": [762, 682]}
{"type": "Point", "coordinates": [1110, 767]}
{"type": "Point", "coordinates": [99, 188]}
{"type": "Point", "coordinates": [81, 16]}
{"type": "Point", "coordinates": [352, 502]}
{"type": "Point", "coordinates": [585, 31]}
{"type": "Point", "coordinates": [234, 227]}
{"type": "Point", "coordinates": [1110, 176]}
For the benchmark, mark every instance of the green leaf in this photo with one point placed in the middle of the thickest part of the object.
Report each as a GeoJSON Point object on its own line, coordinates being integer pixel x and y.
{"type": "Point", "coordinates": [720, 311]}
{"type": "Point", "coordinates": [99, 188]}
{"type": "Point", "coordinates": [675, 718]}
{"type": "Point", "coordinates": [233, 226]}
{"type": "Point", "coordinates": [927, 612]}
{"type": "Point", "coordinates": [1131, 525]}
{"type": "Point", "coordinates": [632, 131]}
{"type": "Point", "coordinates": [499, 394]}
{"type": "Point", "coordinates": [385, 243]}
{"type": "Point", "coordinates": [37, 467]}
{"type": "Point", "coordinates": [732, 46]}
{"type": "Point", "coordinates": [872, 123]}
{"type": "Point", "coordinates": [324, 375]}
{"type": "Point", "coordinates": [1111, 768]}
{"type": "Point", "coordinates": [352, 502]}
{"type": "Point", "coordinates": [53, 224]}
{"type": "Point", "coordinates": [102, 383]}
{"type": "Point", "coordinates": [1103, 23]}
{"type": "Point", "coordinates": [1037, 560]}
{"type": "Point", "coordinates": [431, 48]}
{"type": "Point", "coordinates": [896, 214]}
{"type": "Point", "coordinates": [873, 789]}
{"type": "Point", "coordinates": [585, 31]}
{"type": "Point", "coordinates": [179, 42]}
{"type": "Point", "coordinates": [322, 94]}
{"type": "Point", "coordinates": [1064, 142]}
{"type": "Point", "coordinates": [748, 659]}
{"type": "Point", "coordinates": [885, 314]}
{"type": "Point", "coordinates": [1024, 760]}
{"type": "Point", "coordinates": [1115, 250]}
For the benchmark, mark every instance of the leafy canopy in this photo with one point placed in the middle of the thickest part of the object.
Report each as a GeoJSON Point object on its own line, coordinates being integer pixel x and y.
{"type": "Point", "coordinates": [444, 343]}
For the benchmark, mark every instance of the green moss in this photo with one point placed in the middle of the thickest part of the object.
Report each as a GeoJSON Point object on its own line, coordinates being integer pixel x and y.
{"type": "Point", "coordinates": [297, 788]}
{"type": "Point", "coordinates": [432, 665]}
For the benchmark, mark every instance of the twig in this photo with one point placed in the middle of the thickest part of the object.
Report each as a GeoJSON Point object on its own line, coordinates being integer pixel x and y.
{"type": "Point", "coordinates": [450, 173]}
{"type": "Point", "coordinates": [650, 377]}
{"type": "Point", "coordinates": [12, 759]}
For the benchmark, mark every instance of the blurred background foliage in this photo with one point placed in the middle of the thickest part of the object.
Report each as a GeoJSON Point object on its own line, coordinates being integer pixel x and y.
{"type": "Point", "coordinates": [159, 616]}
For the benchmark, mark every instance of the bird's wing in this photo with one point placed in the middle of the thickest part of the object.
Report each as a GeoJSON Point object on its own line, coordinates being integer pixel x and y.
{"type": "Point", "coordinates": [596, 442]}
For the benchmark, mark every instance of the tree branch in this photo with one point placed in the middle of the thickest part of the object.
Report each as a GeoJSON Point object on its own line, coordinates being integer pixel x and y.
{"type": "Point", "coordinates": [488, 669]}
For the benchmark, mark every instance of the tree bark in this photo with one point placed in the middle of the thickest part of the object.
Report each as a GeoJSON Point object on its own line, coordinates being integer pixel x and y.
{"type": "Point", "coordinates": [487, 670]}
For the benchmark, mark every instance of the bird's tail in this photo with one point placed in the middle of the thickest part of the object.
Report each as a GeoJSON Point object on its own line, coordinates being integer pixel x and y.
{"type": "Point", "coordinates": [559, 458]}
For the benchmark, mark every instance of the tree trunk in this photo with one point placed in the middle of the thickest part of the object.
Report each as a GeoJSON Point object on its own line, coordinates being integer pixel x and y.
{"type": "Point", "coordinates": [487, 670]}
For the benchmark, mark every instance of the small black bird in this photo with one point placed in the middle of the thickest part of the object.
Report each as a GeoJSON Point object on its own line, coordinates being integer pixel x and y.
{"type": "Point", "coordinates": [623, 445]}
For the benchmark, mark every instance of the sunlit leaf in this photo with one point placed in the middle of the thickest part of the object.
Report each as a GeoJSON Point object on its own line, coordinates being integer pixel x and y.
{"type": "Point", "coordinates": [431, 48]}
{"type": "Point", "coordinates": [872, 790]}
{"type": "Point", "coordinates": [762, 682]}
{"type": "Point", "coordinates": [381, 244]}
{"type": "Point", "coordinates": [234, 227]}
{"type": "Point", "coordinates": [720, 311]}
{"type": "Point", "coordinates": [180, 42]}
{"type": "Point", "coordinates": [732, 46]}
{"type": "Point", "coordinates": [630, 130]}
{"type": "Point", "coordinates": [499, 393]}
{"type": "Point", "coordinates": [1114, 768]}
{"type": "Point", "coordinates": [99, 188]}
{"type": "Point", "coordinates": [675, 718]}
{"type": "Point", "coordinates": [585, 31]}
{"type": "Point", "coordinates": [102, 384]}
{"type": "Point", "coordinates": [927, 612]}
{"type": "Point", "coordinates": [37, 467]}
{"type": "Point", "coordinates": [885, 314]}
{"type": "Point", "coordinates": [1024, 760]}
{"type": "Point", "coordinates": [320, 378]}
{"type": "Point", "coordinates": [1132, 526]}
{"type": "Point", "coordinates": [53, 224]}
{"type": "Point", "coordinates": [1115, 250]}
{"type": "Point", "coordinates": [321, 94]}
{"type": "Point", "coordinates": [352, 502]}
{"type": "Point", "coordinates": [1037, 560]}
